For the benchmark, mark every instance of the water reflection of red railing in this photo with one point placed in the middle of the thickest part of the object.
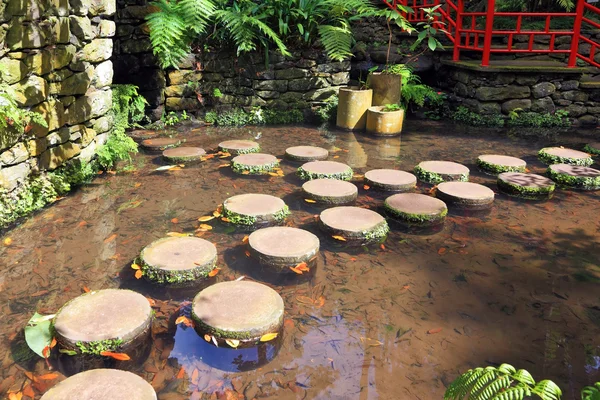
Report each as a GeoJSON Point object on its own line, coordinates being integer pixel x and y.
{"type": "Point", "coordinates": [475, 31]}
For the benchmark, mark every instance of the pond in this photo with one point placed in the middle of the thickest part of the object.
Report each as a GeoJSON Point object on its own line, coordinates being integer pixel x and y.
{"type": "Point", "coordinates": [402, 320]}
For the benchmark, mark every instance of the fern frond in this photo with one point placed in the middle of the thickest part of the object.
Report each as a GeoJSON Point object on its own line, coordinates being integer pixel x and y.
{"type": "Point", "coordinates": [547, 390]}
{"type": "Point", "coordinates": [591, 392]}
{"type": "Point", "coordinates": [270, 34]}
{"type": "Point", "coordinates": [337, 41]}
{"type": "Point", "coordinates": [239, 29]}
{"type": "Point", "coordinates": [168, 34]}
{"type": "Point", "coordinates": [196, 14]}
{"type": "Point", "coordinates": [513, 393]}
{"type": "Point", "coordinates": [496, 386]}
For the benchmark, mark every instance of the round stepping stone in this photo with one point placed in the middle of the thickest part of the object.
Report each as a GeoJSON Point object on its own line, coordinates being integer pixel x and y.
{"type": "Point", "coordinates": [325, 170]}
{"type": "Point", "coordinates": [235, 311]}
{"type": "Point", "coordinates": [178, 259]}
{"type": "Point", "coordinates": [560, 155]}
{"type": "Point", "coordinates": [142, 134]}
{"type": "Point", "coordinates": [390, 180]}
{"type": "Point", "coordinates": [435, 172]}
{"type": "Point", "coordinates": [467, 195]}
{"type": "Point", "coordinates": [354, 224]}
{"type": "Point", "coordinates": [255, 210]}
{"type": "Point", "coordinates": [330, 191]}
{"type": "Point", "coordinates": [306, 153]}
{"type": "Point", "coordinates": [527, 186]}
{"type": "Point", "coordinates": [103, 320]}
{"type": "Point", "coordinates": [281, 247]}
{"type": "Point", "coordinates": [236, 147]}
{"type": "Point", "coordinates": [575, 176]}
{"type": "Point", "coordinates": [160, 144]}
{"type": "Point", "coordinates": [593, 148]}
{"type": "Point", "coordinates": [99, 384]}
{"type": "Point", "coordinates": [183, 155]}
{"type": "Point", "coordinates": [254, 164]}
{"type": "Point", "coordinates": [416, 209]}
{"type": "Point", "coordinates": [495, 164]}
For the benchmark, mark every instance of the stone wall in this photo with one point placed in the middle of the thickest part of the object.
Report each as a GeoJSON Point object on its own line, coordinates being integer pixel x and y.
{"type": "Point", "coordinates": [57, 54]}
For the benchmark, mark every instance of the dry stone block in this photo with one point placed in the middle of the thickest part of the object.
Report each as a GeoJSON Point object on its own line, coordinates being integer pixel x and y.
{"type": "Point", "coordinates": [36, 147]}
{"type": "Point", "coordinates": [57, 156]}
{"type": "Point", "coordinates": [11, 176]}
{"type": "Point", "coordinates": [54, 114]}
{"type": "Point", "coordinates": [103, 75]}
{"type": "Point", "coordinates": [93, 105]}
{"type": "Point", "coordinates": [16, 154]}
{"type": "Point", "coordinates": [15, 70]}
{"type": "Point", "coordinates": [81, 27]}
{"type": "Point", "coordinates": [97, 50]}
{"type": "Point", "coordinates": [31, 91]}
{"type": "Point", "coordinates": [106, 28]}
{"type": "Point", "coordinates": [76, 84]}
{"type": "Point", "coordinates": [24, 36]}
{"type": "Point", "coordinates": [101, 125]}
{"type": "Point", "coordinates": [485, 93]}
{"type": "Point", "coordinates": [182, 77]}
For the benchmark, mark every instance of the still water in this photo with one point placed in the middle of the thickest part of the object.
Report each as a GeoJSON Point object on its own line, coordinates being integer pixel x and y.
{"type": "Point", "coordinates": [399, 321]}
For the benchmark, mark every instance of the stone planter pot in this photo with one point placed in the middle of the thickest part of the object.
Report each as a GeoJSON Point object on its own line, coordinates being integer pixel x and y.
{"type": "Point", "coordinates": [352, 107]}
{"type": "Point", "coordinates": [386, 88]}
{"type": "Point", "coordinates": [384, 123]}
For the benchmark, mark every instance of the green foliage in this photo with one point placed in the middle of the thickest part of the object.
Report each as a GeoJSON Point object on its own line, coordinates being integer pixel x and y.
{"type": "Point", "coordinates": [328, 111]}
{"type": "Point", "coordinates": [99, 346]}
{"type": "Point", "coordinates": [39, 333]}
{"type": "Point", "coordinates": [465, 116]}
{"type": "Point", "coordinates": [591, 392]}
{"type": "Point", "coordinates": [413, 91]}
{"type": "Point", "coordinates": [559, 119]}
{"type": "Point", "coordinates": [429, 30]}
{"type": "Point", "coordinates": [391, 107]}
{"type": "Point", "coordinates": [255, 116]}
{"type": "Point", "coordinates": [217, 93]}
{"type": "Point", "coordinates": [172, 118]}
{"type": "Point", "coordinates": [501, 383]}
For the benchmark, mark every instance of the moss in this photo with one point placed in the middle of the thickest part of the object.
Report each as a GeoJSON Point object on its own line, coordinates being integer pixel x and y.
{"type": "Point", "coordinates": [240, 168]}
{"type": "Point", "coordinates": [98, 346]}
{"type": "Point", "coordinates": [342, 176]}
{"type": "Point", "coordinates": [378, 234]}
{"type": "Point", "coordinates": [157, 275]}
{"type": "Point", "coordinates": [249, 150]}
{"type": "Point", "coordinates": [282, 214]}
{"type": "Point", "coordinates": [238, 219]}
{"type": "Point", "coordinates": [435, 178]}
{"type": "Point", "coordinates": [579, 182]}
{"type": "Point", "coordinates": [249, 338]}
{"type": "Point", "coordinates": [415, 219]}
{"type": "Point", "coordinates": [550, 159]}
{"type": "Point", "coordinates": [525, 192]}
{"type": "Point", "coordinates": [183, 160]}
{"type": "Point", "coordinates": [592, 150]}
{"type": "Point", "coordinates": [496, 169]}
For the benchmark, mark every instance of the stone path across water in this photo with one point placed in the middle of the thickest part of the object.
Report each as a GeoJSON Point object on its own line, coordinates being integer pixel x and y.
{"type": "Point", "coordinates": [236, 147]}
{"type": "Point", "coordinates": [183, 155]}
{"type": "Point", "coordinates": [330, 191]}
{"type": "Point", "coordinates": [160, 144]}
{"type": "Point", "coordinates": [561, 155]}
{"type": "Point", "coordinates": [306, 153]}
{"type": "Point", "coordinates": [325, 170]}
{"type": "Point", "coordinates": [282, 247]}
{"type": "Point", "coordinates": [575, 176]}
{"type": "Point", "coordinates": [414, 209]}
{"type": "Point", "coordinates": [390, 180]}
{"type": "Point", "coordinates": [527, 186]}
{"type": "Point", "coordinates": [495, 164]}
{"type": "Point", "coordinates": [441, 171]}
{"type": "Point", "coordinates": [354, 224]}
{"type": "Point", "coordinates": [467, 195]}
{"type": "Point", "coordinates": [255, 210]}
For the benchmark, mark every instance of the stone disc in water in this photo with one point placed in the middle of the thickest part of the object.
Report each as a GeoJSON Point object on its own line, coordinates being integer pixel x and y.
{"type": "Point", "coordinates": [254, 164]}
{"type": "Point", "coordinates": [255, 210]}
{"type": "Point", "coordinates": [416, 209]}
{"type": "Point", "coordinates": [496, 164]}
{"type": "Point", "coordinates": [467, 195]}
{"type": "Point", "coordinates": [159, 144]}
{"type": "Point", "coordinates": [306, 153]}
{"type": "Point", "coordinates": [183, 155]}
{"type": "Point", "coordinates": [102, 384]}
{"type": "Point", "coordinates": [330, 191]}
{"type": "Point", "coordinates": [593, 148]}
{"type": "Point", "coordinates": [325, 170]}
{"type": "Point", "coordinates": [282, 247]}
{"type": "Point", "coordinates": [561, 155]}
{"type": "Point", "coordinates": [527, 186]}
{"type": "Point", "coordinates": [142, 134]}
{"type": "Point", "coordinates": [178, 259]}
{"type": "Point", "coordinates": [441, 171]}
{"type": "Point", "coordinates": [575, 176]}
{"type": "Point", "coordinates": [390, 180]}
{"type": "Point", "coordinates": [241, 310]}
{"type": "Point", "coordinates": [107, 314]}
{"type": "Point", "coordinates": [354, 224]}
{"type": "Point", "coordinates": [235, 147]}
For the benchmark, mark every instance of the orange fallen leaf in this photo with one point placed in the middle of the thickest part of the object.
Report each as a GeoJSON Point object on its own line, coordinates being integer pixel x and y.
{"type": "Point", "coordinates": [353, 259]}
{"type": "Point", "coordinates": [174, 221]}
{"type": "Point", "coordinates": [135, 266]}
{"type": "Point", "coordinates": [8, 241]}
{"type": "Point", "coordinates": [28, 391]}
{"type": "Point", "coordinates": [340, 238]}
{"type": "Point", "coordinates": [110, 238]}
{"type": "Point", "coordinates": [205, 227]}
{"type": "Point", "coordinates": [268, 337]}
{"type": "Point", "coordinates": [48, 377]}
{"type": "Point", "coordinates": [206, 218]}
{"type": "Point", "coordinates": [30, 376]}
{"type": "Point", "coordinates": [406, 287]}
{"type": "Point", "coordinates": [366, 187]}
{"type": "Point", "coordinates": [53, 343]}
{"type": "Point", "coordinates": [225, 219]}
{"type": "Point", "coordinates": [274, 174]}
{"type": "Point", "coordinates": [81, 224]}
{"type": "Point", "coordinates": [151, 301]}
{"type": "Point", "coordinates": [245, 239]}
{"type": "Point", "coordinates": [302, 267]}
{"type": "Point", "coordinates": [247, 253]}
{"type": "Point", "coordinates": [217, 213]}
{"type": "Point", "coordinates": [181, 373]}
{"type": "Point", "coordinates": [86, 289]}
{"type": "Point", "coordinates": [296, 270]}
{"type": "Point", "coordinates": [246, 173]}
{"type": "Point", "coordinates": [116, 356]}
{"type": "Point", "coordinates": [310, 201]}
{"type": "Point", "coordinates": [139, 274]}
{"type": "Point", "coordinates": [432, 331]}
{"type": "Point", "coordinates": [382, 246]}
{"type": "Point", "coordinates": [442, 250]}
{"type": "Point", "coordinates": [46, 351]}
{"type": "Point", "coordinates": [289, 323]}
{"type": "Point", "coordinates": [320, 302]}
{"type": "Point", "coordinates": [15, 396]}
{"type": "Point", "coordinates": [137, 185]}
{"type": "Point", "coordinates": [214, 272]}
{"type": "Point", "coordinates": [223, 165]}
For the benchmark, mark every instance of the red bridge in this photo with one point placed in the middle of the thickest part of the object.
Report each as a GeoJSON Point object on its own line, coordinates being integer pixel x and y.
{"type": "Point", "coordinates": [475, 31]}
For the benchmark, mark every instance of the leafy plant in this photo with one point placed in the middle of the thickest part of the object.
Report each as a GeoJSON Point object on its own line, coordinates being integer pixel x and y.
{"type": "Point", "coordinates": [558, 119]}
{"type": "Point", "coordinates": [38, 333]}
{"type": "Point", "coordinates": [217, 93]}
{"type": "Point", "coordinates": [501, 383]}
{"type": "Point", "coordinates": [591, 392]}
{"type": "Point", "coordinates": [328, 111]}
{"type": "Point", "coordinates": [391, 107]}
{"type": "Point", "coordinates": [429, 28]}
{"type": "Point", "coordinates": [468, 117]}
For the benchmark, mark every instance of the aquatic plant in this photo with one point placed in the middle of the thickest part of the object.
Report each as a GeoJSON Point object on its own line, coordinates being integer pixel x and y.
{"type": "Point", "coordinates": [592, 150]}
{"type": "Point", "coordinates": [256, 116]}
{"type": "Point", "coordinates": [376, 235]}
{"type": "Point", "coordinates": [465, 116]}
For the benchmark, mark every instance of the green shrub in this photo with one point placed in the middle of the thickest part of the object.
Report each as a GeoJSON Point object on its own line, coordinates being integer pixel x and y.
{"type": "Point", "coordinates": [255, 116]}
{"type": "Point", "coordinates": [328, 111]}
{"type": "Point", "coordinates": [558, 119]}
{"type": "Point", "coordinates": [465, 116]}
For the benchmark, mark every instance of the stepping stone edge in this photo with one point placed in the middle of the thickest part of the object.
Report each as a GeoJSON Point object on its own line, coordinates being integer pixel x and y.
{"type": "Point", "coordinates": [592, 149]}
{"type": "Point", "coordinates": [277, 218]}
{"type": "Point", "coordinates": [240, 168]}
{"type": "Point", "coordinates": [530, 193]}
{"type": "Point", "coordinates": [236, 152]}
{"type": "Point", "coordinates": [576, 182]}
{"type": "Point", "coordinates": [495, 169]}
{"type": "Point", "coordinates": [342, 176]}
{"type": "Point", "coordinates": [550, 159]}
{"type": "Point", "coordinates": [376, 234]}
{"type": "Point", "coordinates": [415, 219]}
{"type": "Point", "coordinates": [435, 178]}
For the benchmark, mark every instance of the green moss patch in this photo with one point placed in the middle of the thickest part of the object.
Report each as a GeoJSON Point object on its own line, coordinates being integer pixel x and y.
{"type": "Point", "coordinates": [98, 346]}
{"type": "Point", "coordinates": [579, 182]}
{"type": "Point", "coordinates": [307, 175]}
{"type": "Point", "coordinates": [496, 169]}
{"type": "Point", "coordinates": [435, 178]}
{"type": "Point", "coordinates": [592, 149]}
{"type": "Point", "coordinates": [525, 192]}
{"type": "Point", "coordinates": [550, 159]}
{"type": "Point", "coordinates": [416, 219]}
{"type": "Point", "coordinates": [240, 168]}
{"type": "Point", "coordinates": [158, 275]}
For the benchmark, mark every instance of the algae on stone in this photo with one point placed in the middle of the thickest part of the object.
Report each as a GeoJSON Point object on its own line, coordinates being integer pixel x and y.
{"type": "Point", "coordinates": [550, 159]}
{"type": "Point", "coordinates": [496, 169]}
{"type": "Point", "coordinates": [307, 175]}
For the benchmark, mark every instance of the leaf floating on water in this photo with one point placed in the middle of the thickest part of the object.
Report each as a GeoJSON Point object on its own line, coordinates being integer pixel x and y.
{"type": "Point", "coordinates": [116, 356]}
{"type": "Point", "coordinates": [207, 337]}
{"type": "Point", "coordinates": [223, 165]}
{"type": "Point", "coordinates": [302, 267]}
{"type": "Point", "coordinates": [138, 274]}
{"type": "Point", "coordinates": [370, 342]}
{"type": "Point", "coordinates": [135, 266]}
{"type": "Point", "coordinates": [110, 238]}
{"type": "Point", "coordinates": [246, 173]}
{"type": "Point", "coordinates": [214, 272]}
{"type": "Point", "coordinates": [310, 201]}
{"type": "Point", "coordinates": [225, 219]}
{"type": "Point", "coordinates": [217, 213]}
{"type": "Point", "coordinates": [232, 342]}
{"type": "Point", "coordinates": [366, 187]}
{"type": "Point", "coordinates": [48, 377]}
{"type": "Point", "coordinates": [165, 167]}
{"type": "Point", "coordinates": [296, 270]}
{"type": "Point", "coordinates": [268, 337]}
{"type": "Point", "coordinates": [175, 220]}
{"type": "Point", "coordinates": [275, 174]}
{"type": "Point", "coordinates": [204, 227]}
{"type": "Point", "coordinates": [214, 340]}
{"type": "Point", "coordinates": [433, 331]}
{"type": "Point", "coordinates": [247, 253]}
{"type": "Point", "coordinates": [382, 246]}
{"type": "Point", "coordinates": [340, 238]}
{"type": "Point", "coordinates": [245, 239]}
{"type": "Point", "coordinates": [86, 289]}
{"type": "Point", "coordinates": [442, 250]}
{"type": "Point", "coordinates": [178, 234]}
{"type": "Point", "coordinates": [38, 334]}
{"type": "Point", "coordinates": [15, 396]}
{"type": "Point", "coordinates": [206, 218]}
{"type": "Point", "coordinates": [8, 241]}
{"type": "Point", "coordinates": [181, 373]}
{"type": "Point", "coordinates": [184, 320]}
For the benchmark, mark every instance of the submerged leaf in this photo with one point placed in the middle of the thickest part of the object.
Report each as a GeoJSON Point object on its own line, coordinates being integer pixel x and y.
{"type": "Point", "coordinates": [268, 337]}
{"type": "Point", "coordinates": [245, 239]}
{"type": "Point", "coordinates": [232, 342]}
{"type": "Point", "coordinates": [67, 352]}
{"type": "Point", "coordinates": [206, 218]}
{"type": "Point", "coordinates": [38, 333]}
{"type": "Point", "coordinates": [135, 266]}
{"type": "Point", "coordinates": [138, 274]}
{"type": "Point", "coordinates": [310, 201]}
{"type": "Point", "coordinates": [116, 356]}
{"type": "Point", "coordinates": [207, 337]}
{"type": "Point", "coordinates": [178, 234]}
{"type": "Point", "coordinates": [338, 237]}
{"type": "Point", "coordinates": [296, 270]}
{"type": "Point", "coordinates": [165, 167]}
{"type": "Point", "coordinates": [214, 272]}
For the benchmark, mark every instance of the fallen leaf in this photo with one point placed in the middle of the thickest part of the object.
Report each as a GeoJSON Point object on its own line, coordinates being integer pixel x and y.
{"type": "Point", "coordinates": [204, 227]}
{"type": "Point", "coordinates": [175, 221]}
{"type": "Point", "coordinates": [225, 219]}
{"type": "Point", "coordinates": [302, 267]}
{"type": "Point", "coordinates": [15, 396]}
{"type": "Point", "coordinates": [137, 185]}
{"type": "Point", "coordinates": [289, 323]}
{"type": "Point", "coordinates": [353, 259]}
{"type": "Point", "coordinates": [321, 302]}
{"type": "Point", "coordinates": [214, 340]}
{"type": "Point", "coordinates": [46, 351]}
{"type": "Point", "coordinates": [310, 201]}
{"type": "Point", "coordinates": [214, 272]}
{"type": "Point", "coordinates": [305, 300]}
{"type": "Point", "coordinates": [247, 253]}
{"type": "Point", "coordinates": [382, 246]}
{"type": "Point", "coordinates": [366, 187]}
{"type": "Point", "coordinates": [296, 270]}
{"type": "Point", "coordinates": [336, 156]}
{"type": "Point", "coordinates": [274, 174]}
{"type": "Point", "coordinates": [8, 241]}
{"type": "Point", "coordinates": [218, 212]}
{"type": "Point", "coordinates": [28, 391]}
{"type": "Point", "coordinates": [181, 373]}
{"type": "Point", "coordinates": [370, 342]}
{"type": "Point", "coordinates": [246, 173]}
{"type": "Point", "coordinates": [223, 165]}
{"type": "Point", "coordinates": [81, 224]}
{"type": "Point", "coordinates": [206, 218]}
{"type": "Point", "coordinates": [207, 337]}
{"type": "Point", "coordinates": [232, 342]}
{"type": "Point", "coordinates": [165, 168]}
{"type": "Point", "coordinates": [432, 331]}
{"type": "Point", "coordinates": [135, 266]}
{"type": "Point", "coordinates": [110, 238]}
{"type": "Point", "coordinates": [86, 289]}
{"type": "Point", "coordinates": [138, 274]}
{"type": "Point", "coordinates": [116, 356]}
{"type": "Point", "coordinates": [178, 234]}
{"type": "Point", "coordinates": [337, 237]}
{"type": "Point", "coordinates": [245, 239]}
{"type": "Point", "coordinates": [53, 343]}
{"type": "Point", "coordinates": [269, 336]}
{"type": "Point", "coordinates": [442, 250]}
{"type": "Point", "coordinates": [48, 377]}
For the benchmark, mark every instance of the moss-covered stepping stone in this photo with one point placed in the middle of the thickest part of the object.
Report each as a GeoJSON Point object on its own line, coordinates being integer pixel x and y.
{"type": "Point", "coordinates": [103, 320]}
{"type": "Point", "coordinates": [282, 247]}
{"type": "Point", "coordinates": [575, 176]}
{"type": "Point", "coordinates": [390, 180]}
{"type": "Point", "coordinates": [435, 172]}
{"type": "Point", "coordinates": [160, 144]}
{"type": "Point", "coordinates": [466, 195]}
{"type": "Point", "coordinates": [354, 225]}
{"type": "Point", "coordinates": [238, 313]}
{"type": "Point", "coordinates": [414, 209]}
{"type": "Point", "coordinates": [254, 164]}
{"type": "Point", "coordinates": [330, 191]}
{"type": "Point", "coordinates": [102, 384]}
{"type": "Point", "coordinates": [527, 186]}
{"type": "Point", "coordinates": [561, 155]}
{"type": "Point", "coordinates": [325, 170]}
{"type": "Point", "coordinates": [236, 147]}
{"type": "Point", "coordinates": [306, 153]}
{"type": "Point", "coordinates": [177, 259]}
{"type": "Point", "coordinates": [495, 164]}
{"type": "Point", "coordinates": [255, 210]}
{"type": "Point", "coordinates": [183, 155]}
{"type": "Point", "coordinates": [593, 148]}
{"type": "Point", "coordinates": [142, 134]}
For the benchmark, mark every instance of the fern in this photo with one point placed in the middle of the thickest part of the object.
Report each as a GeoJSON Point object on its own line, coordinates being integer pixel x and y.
{"type": "Point", "coordinates": [337, 41]}
{"type": "Point", "coordinates": [502, 383]}
{"type": "Point", "coordinates": [591, 392]}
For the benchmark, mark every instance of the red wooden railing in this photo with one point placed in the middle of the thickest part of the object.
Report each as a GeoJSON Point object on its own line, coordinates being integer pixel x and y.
{"type": "Point", "coordinates": [475, 30]}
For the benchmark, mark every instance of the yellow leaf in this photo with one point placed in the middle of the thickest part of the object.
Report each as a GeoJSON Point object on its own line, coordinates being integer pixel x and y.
{"type": "Point", "coordinates": [206, 218]}
{"type": "Point", "coordinates": [274, 174]}
{"type": "Point", "coordinates": [135, 266]}
{"type": "Point", "coordinates": [232, 342]}
{"type": "Point", "coordinates": [205, 227]}
{"type": "Point", "coordinates": [207, 337]}
{"type": "Point", "coordinates": [225, 219]}
{"type": "Point", "coordinates": [8, 241]}
{"type": "Point", "coordinates": [268, 337]}
{"type": "Point", "coordinates": [178, 234]}
{"type": "Point", "coordinates": [217, 213]}
{"type": "Point", "coordinates": [138, 274]}
{"type": "Point", "coordinates": [245, 239]}
{"type": "Point", "coordinates": [310, 200]}
{"type": "Point", "coordinates": [338, 237]}
{"type": "Point", "coordinates": [223, 165]}
{"type": "Point", "coordinates": [368, 342]}
{"type": "Point", "coordinates": [246, 173]}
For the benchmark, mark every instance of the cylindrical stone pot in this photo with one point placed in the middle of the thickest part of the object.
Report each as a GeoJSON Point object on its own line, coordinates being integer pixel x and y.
{"type": "Point", "coordinates": [384, 123]}
{"type": "Point", "coordinates": [386, 88]}
{"type": "Point", "coordinates": [352, 107]}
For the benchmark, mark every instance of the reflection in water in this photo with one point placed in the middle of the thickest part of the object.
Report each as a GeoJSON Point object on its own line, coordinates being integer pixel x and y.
{"type": "Point", "coordinates": [518, 284]}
